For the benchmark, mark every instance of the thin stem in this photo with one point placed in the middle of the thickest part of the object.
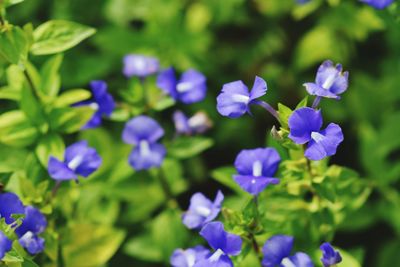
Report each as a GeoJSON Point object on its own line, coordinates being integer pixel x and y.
{"type": "Point", "coordinates": [31, 84]}
{"type": "Point", "coordinates": [145, 93]}
{"type": "Point", "coordinates": [316, 102]}
{"type": "Point", "coordinates": [267, 107]}
{"type": "Point", "coordinates": [55, 189]}
{"type": "Point", "coordinates": [254, 243]}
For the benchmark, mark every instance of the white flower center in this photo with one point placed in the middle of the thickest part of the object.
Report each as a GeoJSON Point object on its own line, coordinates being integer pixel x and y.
{"type": "Point", "coordinates": [317, 137]}
{"type": "Point", "coordinates": [240, 98]}
{"type": "Point", "coordinates": [184, 87]}
{"type": "Point", "coordinates": [286, 262]}
{"type": "Point", "coordinates": [190, 259]}
{"type": "Point", "coordinates": [217, 254]}
{"type": "Point", "coordinates": [257, 168]}
{"type": "Point", "coordinates": [144, 148]}
{"type": "Point", "coordinates": [139, 63]}
{"type": "Point", "coordinates": [329, 81]}
{"type": "Point", "coordinates": [197, 120]}
{"type": "Point", "coordinates": [203, 211]}
{"type": "Point", "coordinates": [94, 106]}
{"type": "Point", "coordinates": [75, 162]}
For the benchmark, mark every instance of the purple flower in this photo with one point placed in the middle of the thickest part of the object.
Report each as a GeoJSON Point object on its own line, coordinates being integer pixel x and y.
{"type": "Point", "coordinates": [224, 244]}
{"type": "Point", "coordinates": [5, 245]}
{"type": "Point", "coordinates": [277, 249]}
{"type": "Point", "coordinates": [10, 204]}
{"type": "Point", "coordinates": [79, 159]}
{"type": "Point", "coordinates": [188, 257]}
{"type": "Point", "coordinates": [140, 66]}
{"type": "Point", "coordinates": [235, 98]}
{"type": "Point", "coordinates": [197, 124]}
{"type": "Point", "coordinates": [103, 103]}
{"type": "Point", "coordinates": [143, 132]}
{"type": "Point", "coordinates": [256, 169]}
{"type": "Point", "coordinates": [330, 256]}
{"type": "Point", "coordinates": [330, 81]}
{"type": "Point", "coordinates": [378, 4]}
{"type": "Point", "coordinates": [191, 87]}
{"type": "Point", "coordinates": [202, 210]}
{"type": "Point", "coordinates": [28, 232]}
{"type": "Point", "coordinates": [305, 127]}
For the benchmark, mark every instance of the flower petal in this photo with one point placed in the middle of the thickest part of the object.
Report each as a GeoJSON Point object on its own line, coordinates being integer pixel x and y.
{"type": "Point", "coordinates": [222, 261]}
{"type": "Point", "coordinates": [276, 249]}
{"type": "Point", "coordinates": [151, 158]}
{"type": "Point", "coordinates": [166, 81]}
{"type": "Point", "coordinates": [233, 99]}
{"type": "Point", "coordinates": [314, 89]}
{"type": "Point", "coordinates": [59, 170]}
{"type": "Point", "coordinates": [330, 256]}
{"type": "Point", "coordinates": [192, 87]}
{"type": "Point", "coordinates": [259, 88]}
{"type": "Point", "coordinates": [268, 157]}
{"type": "Point", "coordinates": [5, 245]}
{"type": "Point", "coordinates": [34, 222]}
{"type": "Point", "coordinates": [33, 243]}
{"type": "Point", "coordinates": [301, 259]}
{"type": "Point", "coordinates": [302, 122]}
{"type": "Point", "coordinates": [324, 143]}
{"type": "Point", "coordinates": [139, 65]}
{"type": "Point", "coordinates": [142, 128]}
{"type": "Point", "coordinates": [10, 204]}
{"type": "Point", "coordinates": [218, 238]}
{"type": "Point", "coordinates": [254, 185]}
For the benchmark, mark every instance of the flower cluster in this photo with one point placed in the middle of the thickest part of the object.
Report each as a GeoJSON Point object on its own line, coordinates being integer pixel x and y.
{"type": "Point", "coordinates": [33, 224]}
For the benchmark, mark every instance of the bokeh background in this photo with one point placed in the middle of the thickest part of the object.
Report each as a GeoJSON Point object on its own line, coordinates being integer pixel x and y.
{"type": "Point", "coordinates": [228, 40]}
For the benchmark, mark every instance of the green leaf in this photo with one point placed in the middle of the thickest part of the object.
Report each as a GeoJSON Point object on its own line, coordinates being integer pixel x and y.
{"type": "Point", "coordinates": [302, 103]}
{"type": "Point", "coordinates": [187, 147]}
{"type": "Point", "coordinates": [72, 96]}
{"type": "Point", "coordinates": [51, 81]}
{"type": "Point", "coordinates": [70, 120]}
{"type": "Point", "coordinates": [284, 113]}
{"type": "Point", "coordinates": [224, 175]}
{"type": "Point", "coordinates": [14, 45]}
{"type": "Point", "coordinates": [13, 160]}
{"type": "Point", "coordinates": [32, 108]}
{"type": "Point", "coordinates": [16, 130]}
{"type": "Point", "coordinates": [174, 175]}
{"type": "Point", "coordinates": [82, 241]}
{"type": "Point", "coordinates": [50, 145]}
{"type": "Point", "coordinates": [56, 36]}
{"type": "Point", "coordinates": [8, 3]}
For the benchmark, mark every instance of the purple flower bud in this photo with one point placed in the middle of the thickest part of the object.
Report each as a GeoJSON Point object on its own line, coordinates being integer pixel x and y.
{"type": "Point", "coordinates": [277, 251]}
{"type": "Point", "coordinates": [10, 204]}
{"type": "Point", "coordinates": [224, 244]}
{"type": "Point", "coordinates": [140, 66]}
{"type": "Point", "coordinates": [330, 256]}
{"type": "Point", "coordinates": [256, 169]}
{"type": "Point", "coordinates": [79, 159]}
{"type": "Point", "coordinates": [188, 257]}
{"type": "Point", "coordinates": [143, 132]}
{"type": "Point", "coordinates": [5, 245]}
{"type": "Point", "coordinates": [330, 81]}
{"type": "Point", "coordinates": [305, 127]}
{"type": "Point", "coordinates": [197, 124]}
{"type": "Point", "coordinates": [235, 98]}
{"type": "Point", "coordinates": [191, 87]}
{"type": "Point", "coordinates": [202, 210]}
{"type": "Point", "coordinates": [378, 4]}
{"type": "Point", "coordinates": [103, 103]}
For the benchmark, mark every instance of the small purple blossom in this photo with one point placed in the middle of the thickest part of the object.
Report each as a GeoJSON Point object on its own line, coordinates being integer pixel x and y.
{"type": "Point", "coordinates": [330, 256]}
{"type": "Point", "coordinates": [140, 65]}
{"type": "Point", "coordinates": [79, 159]}
{"type": "Point", "coordinates": [190, 88]}
{"type": "Point", "coordinates": [224, 244]}
{"type": "Point", "coordinates": [202, 210]}
{"type": "Point", "coordinates": [103, 103]}
{"type": "Point", "coordinates": [188, 257]}
{"type": "Point", "coordinates": [32, 243]}
{"type": "Point", "coordinates": [10, 204]}
{"type": "Point", "coordinates": [330, 81]}
{"type": "Point", "coordinates": [143, 132]}
{"type": "Point", "coordinates": [5, 245]}
{"type": "Point", "coordinates": [256, 169]}
{"type": "Point", "coordinates": [277, 251]}
{"type": "Point", "coordinates": [378, 4]}
{"type": "Point", "coordinates": [235, 98]}
{"type": "Point", "coordinates": [197, 124]}
{"type": "Point", "coordinates": [305, 127]}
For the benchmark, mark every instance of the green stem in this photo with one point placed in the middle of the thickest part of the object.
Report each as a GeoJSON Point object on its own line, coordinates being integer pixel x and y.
{"type": "Point", "coordinates": [31, 84]}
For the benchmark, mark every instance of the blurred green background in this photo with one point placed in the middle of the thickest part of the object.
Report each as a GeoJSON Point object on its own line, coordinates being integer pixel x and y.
{"type": "Point", "coordinates": [284, 43]}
